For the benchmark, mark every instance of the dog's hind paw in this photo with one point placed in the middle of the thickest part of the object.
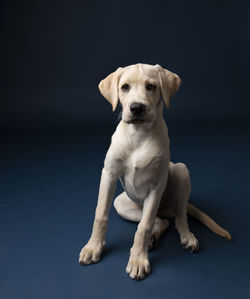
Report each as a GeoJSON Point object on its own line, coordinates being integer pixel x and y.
{"type": "Point", "coordinates": [153, 242]}
{"type": "Point", "coordinates": [189, 242]}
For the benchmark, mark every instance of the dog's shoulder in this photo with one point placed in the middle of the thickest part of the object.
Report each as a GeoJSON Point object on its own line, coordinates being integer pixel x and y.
{"type": "Point", "coordinates": [116, 153]}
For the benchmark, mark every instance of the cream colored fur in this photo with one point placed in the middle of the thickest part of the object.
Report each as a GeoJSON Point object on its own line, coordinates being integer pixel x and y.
{"type": "Point", "coordinates": [154, 188]}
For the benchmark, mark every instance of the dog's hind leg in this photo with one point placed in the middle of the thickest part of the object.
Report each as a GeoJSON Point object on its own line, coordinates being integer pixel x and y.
{"type": "Point", "coordinates": [179, 185]}
{"type": "Point", "coordinates": [129, 210]}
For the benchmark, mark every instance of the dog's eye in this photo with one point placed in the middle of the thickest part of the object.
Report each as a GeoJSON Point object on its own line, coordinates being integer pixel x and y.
{"type": "Point", "coordinates": [125, 87]}
{"type": "Point", "coordinates": [150, 87]}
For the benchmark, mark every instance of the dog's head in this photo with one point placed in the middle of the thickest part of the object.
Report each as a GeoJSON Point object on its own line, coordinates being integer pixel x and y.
{"type": "Point", "coordinates": [139, 88]}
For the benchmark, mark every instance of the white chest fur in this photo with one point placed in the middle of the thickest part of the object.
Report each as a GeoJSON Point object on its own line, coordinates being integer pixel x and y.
{"type": "Point", "coordinates": [143, 168]}
{"type": "Point", "coordinates": [140, 158]}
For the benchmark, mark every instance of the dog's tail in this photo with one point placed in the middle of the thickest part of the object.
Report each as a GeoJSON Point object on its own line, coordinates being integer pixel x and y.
{"type": "Point", "coordinates": [209, 222]}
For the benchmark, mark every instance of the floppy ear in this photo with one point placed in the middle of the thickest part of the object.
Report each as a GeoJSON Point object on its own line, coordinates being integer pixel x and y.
{"type": "Point", "coordinates": [169, 83]}
{"type": "Point", "coordinates": [109, 87]}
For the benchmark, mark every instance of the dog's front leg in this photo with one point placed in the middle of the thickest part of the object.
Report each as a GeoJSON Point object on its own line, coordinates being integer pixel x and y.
{"type": "Point", "coordinates": [91, 252]}
{"type": "Point", "coordinates": [138, 265]}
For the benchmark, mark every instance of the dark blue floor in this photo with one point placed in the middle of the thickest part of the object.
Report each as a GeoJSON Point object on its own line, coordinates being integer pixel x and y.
{"type": "Point", "coordinates": [49, 187]}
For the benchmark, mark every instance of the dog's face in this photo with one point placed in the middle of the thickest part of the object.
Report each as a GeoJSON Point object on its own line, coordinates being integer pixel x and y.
{"type": "Point", "coordinates": [139, 88]}
{"type": "Point", "coordinates": [139, 93]}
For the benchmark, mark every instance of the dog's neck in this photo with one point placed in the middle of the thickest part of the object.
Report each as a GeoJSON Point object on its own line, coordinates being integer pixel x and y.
{"type": "Point", "coordinates": [139, 133]}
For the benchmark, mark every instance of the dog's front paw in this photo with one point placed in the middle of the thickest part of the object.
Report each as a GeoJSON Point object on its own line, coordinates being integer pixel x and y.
{"type": "Point", "coordinates": [138, 267]}
{"type": "Point", "coordinates": [90, 253]}
{"type": "Point", "coordinates": [189, 242]}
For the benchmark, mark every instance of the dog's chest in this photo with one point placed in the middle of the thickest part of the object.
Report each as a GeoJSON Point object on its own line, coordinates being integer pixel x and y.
{"type": "Point", "coordinates": [142, 169]}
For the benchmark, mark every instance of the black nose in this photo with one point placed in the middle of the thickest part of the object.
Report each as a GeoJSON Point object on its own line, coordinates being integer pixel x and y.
{"type": "Point", "coordinates": [137, 108]}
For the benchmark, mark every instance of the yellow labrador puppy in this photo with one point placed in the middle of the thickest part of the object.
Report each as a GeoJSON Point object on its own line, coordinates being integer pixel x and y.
{"type": "Point", "coordinates": [155, 188]}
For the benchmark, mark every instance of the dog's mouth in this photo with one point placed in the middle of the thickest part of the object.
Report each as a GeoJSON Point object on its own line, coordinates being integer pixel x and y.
{"type": "Point", "coordinates": [135, 121]}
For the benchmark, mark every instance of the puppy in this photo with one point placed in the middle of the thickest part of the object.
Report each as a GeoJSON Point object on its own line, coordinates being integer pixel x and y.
{"type": "Point", "coordinates": [155, 189]}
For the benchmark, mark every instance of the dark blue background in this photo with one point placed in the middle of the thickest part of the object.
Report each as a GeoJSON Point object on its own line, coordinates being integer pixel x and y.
{"type": "Point", "coordinates": [56, 127]}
